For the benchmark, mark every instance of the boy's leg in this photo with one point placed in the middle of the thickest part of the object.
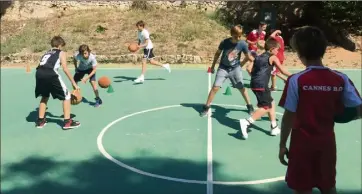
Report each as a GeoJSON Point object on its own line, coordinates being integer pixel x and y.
{"type": "Point", "coordinates": [148, 55]}
{"type": "Point", "coordinates": [60, 91]}
{"type": "Point", "coordinates": [275, 130]}
{"type": "Point", "coordinates": [42, 88]}
{"type": "Point", "coordinates": [265, 105]}
{"type": "Point", "coordinates": [41, 122]}
{"type": "Point", "coordinates": [236, 79]}
{"type": "Point", "coordinates": [93, 82]}
{"type": "Point", "coordinates": [221, 76]}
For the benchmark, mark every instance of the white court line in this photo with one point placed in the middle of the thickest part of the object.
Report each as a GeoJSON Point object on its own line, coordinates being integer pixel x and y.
{"type": "Point", "coordinates": [209, 187]}
{"type": "Point", "coordinates": [121, 164]}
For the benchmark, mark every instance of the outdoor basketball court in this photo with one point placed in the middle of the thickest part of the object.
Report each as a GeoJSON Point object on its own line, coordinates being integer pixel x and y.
{"type": "Point", "coordinates": [149, 138]}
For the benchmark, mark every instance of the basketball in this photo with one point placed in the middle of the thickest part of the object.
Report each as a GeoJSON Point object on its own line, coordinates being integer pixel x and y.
{"type": "Point", "coordinates": [133, 47]}
{"type": "Point", "coordinates": [76, 97]}
{"type": "Point", "coordinates": [104, 82]}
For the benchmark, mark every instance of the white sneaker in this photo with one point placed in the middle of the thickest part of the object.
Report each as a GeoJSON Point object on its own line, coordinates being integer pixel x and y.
{"type": "Point", "coordinates": [140, 79]}
{"type": "Point", "coordinates": [167, 67]}
{"type": "Point", "coordinates": [275, 131]}
{"type": "Point", "coordinates": [244, 124]}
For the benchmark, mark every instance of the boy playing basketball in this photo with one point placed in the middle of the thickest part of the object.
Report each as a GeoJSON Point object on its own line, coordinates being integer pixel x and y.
{"type": "Point", "coordinates": [311, 99]}
{"type": "Point", "coordinates": [276, 35]}
{"type": "Point", "coordinates": [260, 76]}
{"type": "Point", "coordinates": [87, 66]}
{"type": "Point", "coordinates": [144, 41]}
{"type": "Point", "coordinates": [252, 39]}
{"type": "Point", "coordinates": [48, 81]}
{"type": "Point", "coordinates": [230, 67]}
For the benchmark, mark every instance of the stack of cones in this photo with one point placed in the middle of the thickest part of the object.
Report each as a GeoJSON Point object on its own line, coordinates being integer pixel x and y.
{"type": "Point", "coordinates": [209, 70]}
{"type": "Point", "coordinates": [228, 91]}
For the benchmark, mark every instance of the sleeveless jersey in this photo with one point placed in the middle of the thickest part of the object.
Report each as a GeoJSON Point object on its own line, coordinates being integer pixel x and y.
{"type": "Point", "coordinates": [260, 74]}
{"type": "Point", "coordinates": [50, 60]}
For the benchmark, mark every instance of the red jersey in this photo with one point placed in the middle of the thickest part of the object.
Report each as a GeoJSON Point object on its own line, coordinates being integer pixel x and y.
{"type": "Point", "coordinates": [280, 54]}
{"type": "Point", "coordinates": [255, 36]}
{"type": "Point", "coordinates": [317, 95]}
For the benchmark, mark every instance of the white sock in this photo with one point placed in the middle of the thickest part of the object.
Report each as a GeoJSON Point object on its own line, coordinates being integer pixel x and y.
{"type": "Point", "coordinates": [274, 123]}
{"type": "Point", "coordinates": [250, 120]}
{"type": "Point", "coordinates": [142, 76]}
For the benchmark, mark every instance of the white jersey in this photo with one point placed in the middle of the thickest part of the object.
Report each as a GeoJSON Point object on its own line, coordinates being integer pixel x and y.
{"type": "Point", "coordinates": [143, 36]}
{"type": "Point", "coordinates": [85, 64]}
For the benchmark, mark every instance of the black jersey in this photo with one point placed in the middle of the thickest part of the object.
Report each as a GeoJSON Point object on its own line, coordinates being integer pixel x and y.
{"type": "Point", "coordinates": [50, 60]}
{"type": "Point", "coordinates": [261, 72]}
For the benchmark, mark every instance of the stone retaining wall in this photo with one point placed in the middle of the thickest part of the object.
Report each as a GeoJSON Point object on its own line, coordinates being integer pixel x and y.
{"type": "Point", "coordinates": [130, 58]}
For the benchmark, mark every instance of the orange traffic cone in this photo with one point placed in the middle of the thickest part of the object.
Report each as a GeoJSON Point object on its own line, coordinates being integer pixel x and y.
{"type": "Point", "coordinates": [28, 68]}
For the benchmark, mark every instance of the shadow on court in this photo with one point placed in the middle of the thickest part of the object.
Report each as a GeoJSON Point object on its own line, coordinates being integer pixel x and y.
{"type": "Point", "coordinates": [126, 78]}
{"type": "Point", "coordinates": [221, 115]}
{"type": "Point", "coordinates": [59, 120]}
{"type": "Point", "coordinates": [97, 175]}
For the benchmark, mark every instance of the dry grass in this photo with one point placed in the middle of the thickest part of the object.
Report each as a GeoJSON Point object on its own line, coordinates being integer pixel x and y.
{"type": "Point", "coordinates": [172, 32]}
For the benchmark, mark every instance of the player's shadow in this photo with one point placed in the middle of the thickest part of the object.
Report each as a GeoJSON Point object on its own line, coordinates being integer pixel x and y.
{"type": "Point", "coordinates": [59, 120]}
{"type": "Point", "coordinates": [126, 78]}
{"type": "Point", "coordinates": [221, 115]}
{"type": "Point", "coordinates": [85, 100]}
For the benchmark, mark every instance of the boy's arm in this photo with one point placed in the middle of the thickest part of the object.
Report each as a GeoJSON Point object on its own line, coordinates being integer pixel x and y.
{"type": "Point", "coordinates": [247, 54]}
{"type": "Point", "coordinates": [94, 66]}
{"type": "Point", "coordinates": [216, 57]}
{"type": "Point", "coordinates": [275, 33]}
{"type": "Point", "coordinates": [289, 101]}
{"type": "Point", "coordinates": [63, 63]}
{"type": "Point", "coordinates": [274, 60]}
{"type": "Point", "coordinates": [352, 102]}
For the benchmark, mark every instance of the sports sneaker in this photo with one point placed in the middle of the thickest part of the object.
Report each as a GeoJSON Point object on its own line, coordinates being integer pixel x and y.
{"type": "Point", "coordinates": [70, 124]}
{"type": "Point", "coordinates": [205, 111]}
{"type": "Point", "coordinates": [244, 124]}
{"type": "Point", "coordinates": [140, 79]}
{"type": "Point", "coordinates": [274, 130]}
{"type": "Point", "coordinates": [167, 67]}
{"type": "Point", "coordinates": [98, 102]}
{"type": "Point", "coordinates": [250, 109]}
{"type": "Point", "coordinates": [40, 123]}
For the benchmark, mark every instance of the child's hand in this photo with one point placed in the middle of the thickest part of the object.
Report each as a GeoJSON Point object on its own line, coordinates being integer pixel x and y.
{"type": "Point", "coordinates": [84, 80]}
{"type": "Point", "coordinates": [76, 87]}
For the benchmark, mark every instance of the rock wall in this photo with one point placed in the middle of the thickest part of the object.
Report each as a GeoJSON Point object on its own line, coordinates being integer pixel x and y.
{"type": "Point", "coordinates": [20, 10]}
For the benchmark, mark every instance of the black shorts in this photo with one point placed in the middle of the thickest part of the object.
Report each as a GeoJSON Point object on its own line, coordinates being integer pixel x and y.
{"type": "Point", "coordinates": [264, 98]}
{"type": "Point", "coordinates": [78, 76]}
{"type": "Point", "coordinates": [48, 82]}
{"type": "Point", "coordinates": [148, 53]}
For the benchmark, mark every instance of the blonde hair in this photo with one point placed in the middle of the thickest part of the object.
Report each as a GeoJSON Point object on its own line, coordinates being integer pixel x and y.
{"type": "Point", "coordinates": [236, 30]}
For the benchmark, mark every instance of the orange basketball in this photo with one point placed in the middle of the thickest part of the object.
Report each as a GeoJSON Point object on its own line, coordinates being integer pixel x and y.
{"type": "Point", "coordinates": [104, 82]}
{"type": "Point", "coordinates": [133, 47]}
{"type": "Point", "coordinates": [76, 97]}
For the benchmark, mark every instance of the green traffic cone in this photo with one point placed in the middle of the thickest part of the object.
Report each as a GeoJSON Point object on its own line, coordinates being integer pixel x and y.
{"type": "Point", "coordinates": [110, 89]}
{"type": "Point", "coordinates": [228, 91]}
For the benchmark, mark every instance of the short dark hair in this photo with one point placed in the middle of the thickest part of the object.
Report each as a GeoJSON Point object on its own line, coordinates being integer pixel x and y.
{"type": "Point", "coordinates": [271, 43]}
{"type": "Point", "coordinates": [236, 30]}
{"type": "Point", "coordinates": [309, 42]}
{"type": "Point", "coordinates": [83, 48]}
{"type": "Point", "coordinates": [262, 23]}
{"type": "Point", "coordinates": [57, 41]}
{"type": "Point", "coordinates": [140, 23]}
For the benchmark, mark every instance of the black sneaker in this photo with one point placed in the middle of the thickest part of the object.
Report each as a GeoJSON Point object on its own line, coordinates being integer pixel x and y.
{"type": "Point", "coordinates": [98, 102]}
{"type": "Point", "coordinates": [205, 110]}
{"type": "Point", "coordinates": [70, 124]}
{"type": "Point", "coordinates": [250, 109]}
{"type": "Point", "coordinates": [40, 123]}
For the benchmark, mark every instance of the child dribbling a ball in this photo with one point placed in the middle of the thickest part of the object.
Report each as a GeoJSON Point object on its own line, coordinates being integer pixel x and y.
{"type": "Point", "coordinates": [87, 65]}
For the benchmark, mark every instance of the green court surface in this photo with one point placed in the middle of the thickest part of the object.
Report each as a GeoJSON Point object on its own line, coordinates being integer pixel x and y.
{"type": "Point", "coordinates": [149, 138]}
